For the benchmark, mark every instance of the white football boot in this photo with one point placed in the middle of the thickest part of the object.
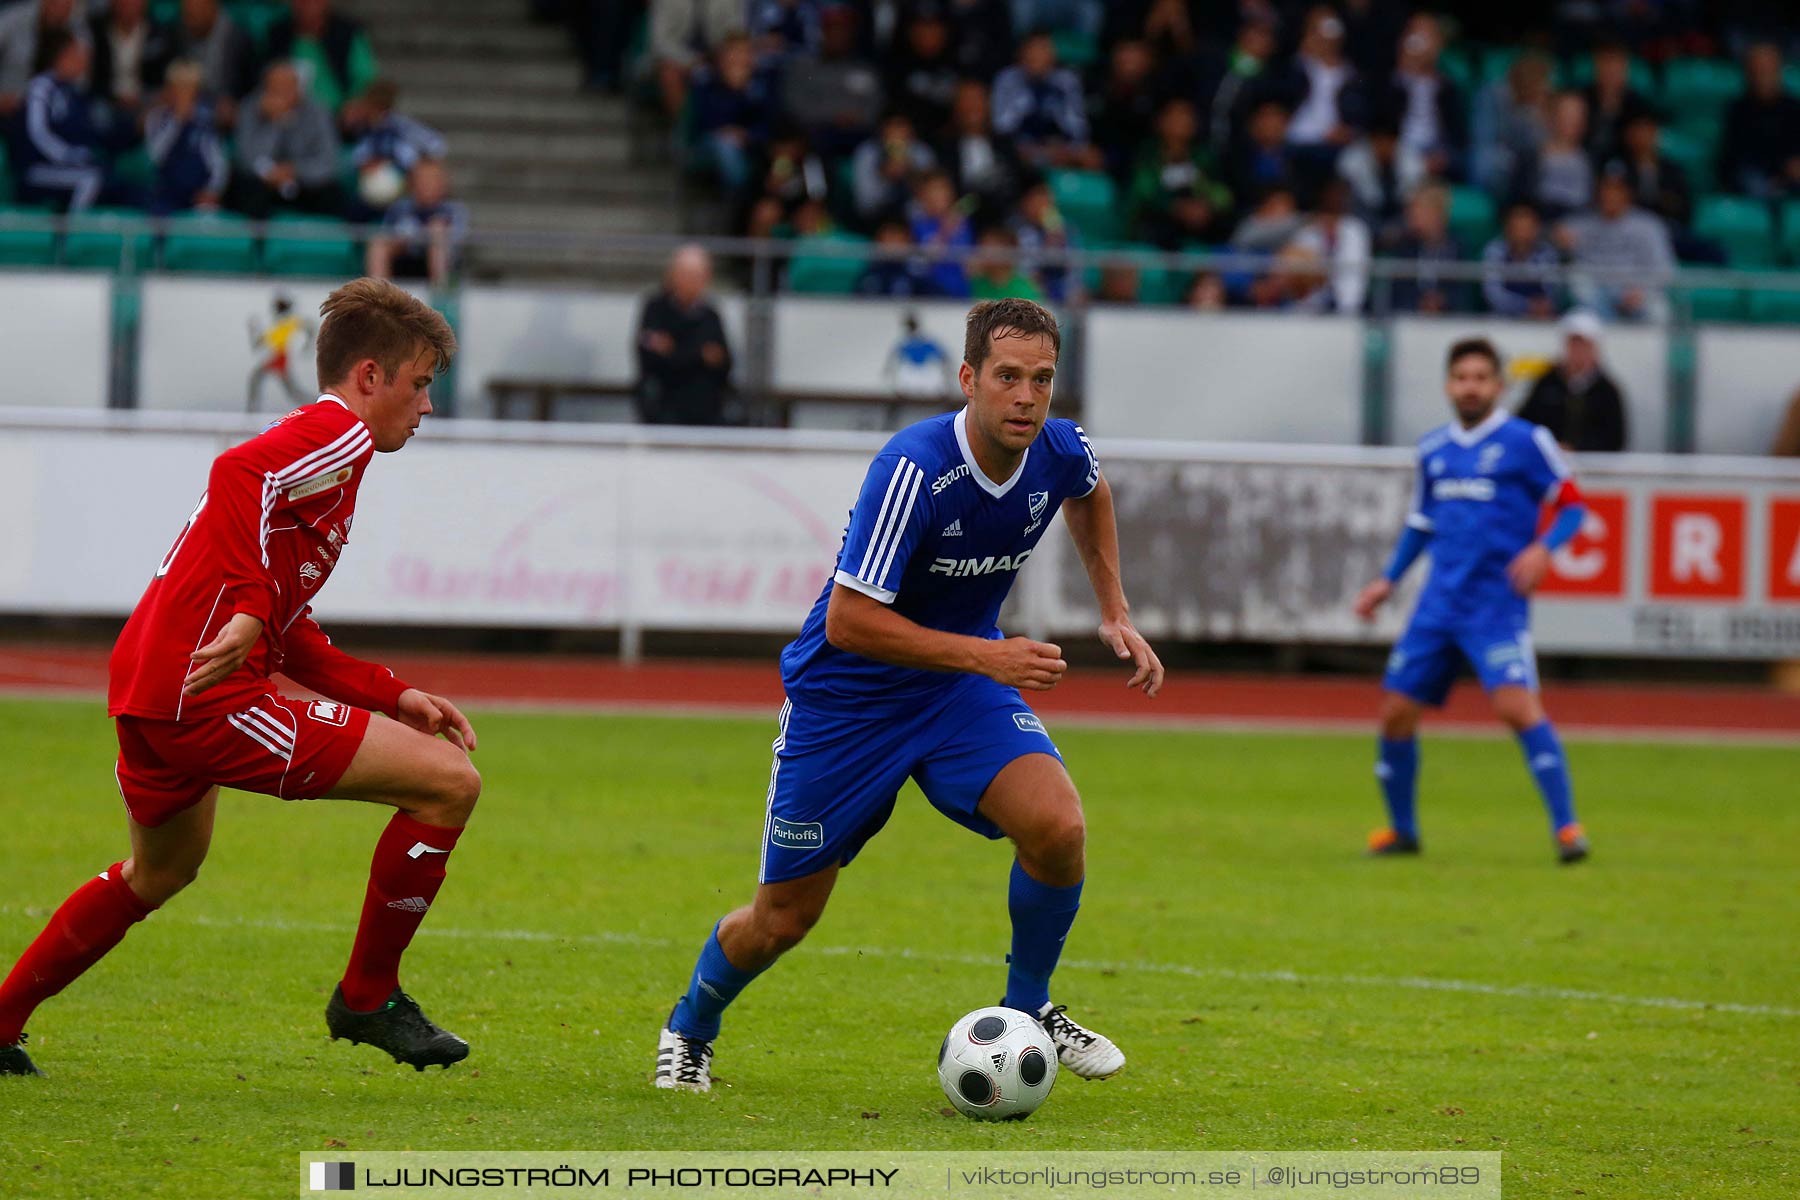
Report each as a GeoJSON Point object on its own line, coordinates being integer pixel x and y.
{"type": "Point", "coordinates": [1082, 1051]}
{"type": "Point", "coordinates": [683, 1063]}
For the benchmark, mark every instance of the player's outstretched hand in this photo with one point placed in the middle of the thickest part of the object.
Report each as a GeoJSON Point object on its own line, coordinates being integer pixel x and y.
{"type": "Point", "coordinates": [215, 661]}
{"type": "Point", "coordinates": [1022, 663]}
{"type": "Point", "coordinates": [434, 715]}
{"type": "Point", "coordinates": [1527, 570]}
{"type": "Point", "coordinates": [1373, 597]}
{"type": "Point", "coordinates": [1126, 642]}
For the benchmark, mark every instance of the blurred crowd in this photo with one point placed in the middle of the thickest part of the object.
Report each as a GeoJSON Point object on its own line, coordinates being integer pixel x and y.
{"type": "Point", "coordinates": [1304, 139]}
{"type": "Point", "coordinates": [108, 104]}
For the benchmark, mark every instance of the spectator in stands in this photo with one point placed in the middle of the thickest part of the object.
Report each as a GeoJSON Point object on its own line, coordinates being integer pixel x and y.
{"type": "Point", "coordinates": [982, 36]}
{"type": "Point", "coordinates": [1382, 172]}
{"type": "Point", "coordinates": [1042, 233]}
{"type": "Point", "coordinates": [130, 56]}
{"type": "Point", "coordinates": [940, 224]}
{"type": "Point", "coordinates": [882, 169]}
{"type": "Point", "coordinates": [684, 359]}
{"type": "Point", "coordinates": [785, 27]}
{"type": "Point", "coordinates": [895, 269]}
{"type": "Point", "coordinates": [58, 152]}
{"type": "Point", "coordinates": [1521, 244]}
{"type": "Point", "coordinates": [732, 112]}
{"type": "Point", "coordinates": [682, 33]}
{"type": "Point", "coordinates": [1761, 154]}
{"type": "Point", "coordinates": [1263, 160]}
{"type": "Point", "coordinates": [1512, 123]}
{"type": "Point", "coordinates": [1233, 86]}
{"type": "Point", "coordinates": [1335, 237]}
{"type": "Point", "coordinates": [333, 55]}
{"type": "Point", "coordinates": [1125, 105]}
{"type": "Point", "coordinates": [1426, 245]}
{"type": "Point", "coordinates": [1561, 180]}
{"type": "Point", "coordinates": [1039, 105]}
{"type": "Point", "coordinates": [192, 167]}
{"type": "Point", "coordinates": [1630, 245]}
{"type": "Point", "coordinates": [1612, 102]}
{"type": "Point", "coordinates": [923, 80]}
{"type": "Point", "coordinates": [1120, 283]}
{"type": "Point", "coordinates": [603, 32]}
{"type": "Point", "coordinates": [394, 141]}
{"type": "Point", "coordinates": [1430, 106]}
{"type": "Point", "coordinates": [1322, 85]}
{"type": "Point", "coordinates": [795, 173]}
{"type": "Point", "coordinates": [1576, 400]}
{"type": "Point", "coordinates": [1274, 220]}
{"type": "Point", "coordinates": [1296, 281]}
{"type": "Point", "coordinates": [835, 94]}
{"type": "Point", "coordinates": [1205, 292]}
{"type": "Point", "coordinates": [994, 272]}
{"type": "Point", "coordinates": [22, 29]}
{"type": "Point", "coordinates": [1176, 198]}
{"type": "Point", "coordinates": [287, 151]}
{"type": "Point", "coordinates": [227, 57]}
{"type": "Point", "coordinates": [1657, 185]}
{"type": "Point", "coordinates": [982, 163]}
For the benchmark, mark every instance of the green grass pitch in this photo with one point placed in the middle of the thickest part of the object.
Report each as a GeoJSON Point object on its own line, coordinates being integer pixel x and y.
{"type": "Point", "coordinates": [1273, 989]}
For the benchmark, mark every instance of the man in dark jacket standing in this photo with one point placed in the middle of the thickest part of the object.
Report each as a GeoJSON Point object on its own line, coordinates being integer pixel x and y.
{"type": "Point", "coordinates": [684, 362]}
{"type": "Point", "coordinates": [1576, 400]}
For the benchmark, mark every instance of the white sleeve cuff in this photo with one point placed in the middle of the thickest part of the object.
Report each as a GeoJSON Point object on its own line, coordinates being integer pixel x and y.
{"type": "Point", "coordinates": [1421, 522]}
{"type": "Point", "coordinates": [868, 589]}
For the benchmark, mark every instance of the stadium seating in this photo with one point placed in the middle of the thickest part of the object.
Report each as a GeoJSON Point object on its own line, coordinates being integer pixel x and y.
{"type": "Point", "coordinates": [829, 273]}
{"type": "Point", "coordinates": [1089, 201]}
{"type": "Point", "coordinates": [216, 242]}
{"type": "Point", "coordinates": [97, 238]}
{"type": "Point", "coordinates": [1473, 220]}
{"type": "Point", "coordinates": [1696, 91]}
{"type": "Point", "coordinates": [1745, 227]}
{"type": "Point", "coordinates": [1693, 153]}
{"type": "Point", "coordinates": [298, 245]}
{"type": "Point", "coordinates": [25, 247]}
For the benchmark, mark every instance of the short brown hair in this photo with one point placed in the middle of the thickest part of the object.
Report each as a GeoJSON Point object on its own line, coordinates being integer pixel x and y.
{"type": "Point", "coordinates": [1011, 317]}
{"type": "Point", "coordinates": [1478, 346]}
{"type": "Point", "coordinates": [371, 318]}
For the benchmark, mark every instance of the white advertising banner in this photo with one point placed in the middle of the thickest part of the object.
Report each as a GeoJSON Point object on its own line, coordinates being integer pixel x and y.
{"type": "Point", "coordinates": [491, 524]}
{"type": "Point", "coordinates": [1745, 378]}
{"type": "Point", "coordinates": [54, 334]}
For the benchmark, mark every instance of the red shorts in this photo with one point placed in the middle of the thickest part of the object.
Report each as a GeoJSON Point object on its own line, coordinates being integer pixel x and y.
{"type": "Point", "coordinates": [290, 749]}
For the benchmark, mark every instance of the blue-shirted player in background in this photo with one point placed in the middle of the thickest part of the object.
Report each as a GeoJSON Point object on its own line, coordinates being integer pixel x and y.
{"type": "Point", "coordinates": [1484, 481]}
{"type": "Point", "coordinates": [902, 671]}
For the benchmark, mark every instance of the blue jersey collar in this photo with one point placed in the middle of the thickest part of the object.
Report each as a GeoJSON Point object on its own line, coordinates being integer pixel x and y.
{"type": "Point", "coordinates": [996, 490]}
{"type": "Point", "coordinates": [1469, 437]}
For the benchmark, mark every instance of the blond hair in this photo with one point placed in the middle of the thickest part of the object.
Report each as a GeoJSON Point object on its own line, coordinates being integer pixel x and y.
{"type": "Point", "coordinates": [372, 318]}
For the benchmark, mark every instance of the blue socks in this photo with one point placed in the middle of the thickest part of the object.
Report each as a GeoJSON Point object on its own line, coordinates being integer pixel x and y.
{"type": "Point", "coordinates": [716, 983]}
{"type": "Point", "coordinates": [1041, 918]}
{"type": "Point", "coordinates": [1544, 755]}
{"type": "Point", "coordinates": [1397, 767]}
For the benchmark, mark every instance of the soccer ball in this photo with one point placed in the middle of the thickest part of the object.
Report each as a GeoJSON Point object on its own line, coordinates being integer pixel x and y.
{"type": "Point", "coordinates": [997, 1064]}
{"type": "Point", "coordinates": [381, 185]}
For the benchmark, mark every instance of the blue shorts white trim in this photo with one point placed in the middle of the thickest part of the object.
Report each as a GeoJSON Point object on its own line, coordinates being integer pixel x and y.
{"type": "Point", "coordinates": [1426, 659]}
{"type": "Point", "coordinates": [836, 777]}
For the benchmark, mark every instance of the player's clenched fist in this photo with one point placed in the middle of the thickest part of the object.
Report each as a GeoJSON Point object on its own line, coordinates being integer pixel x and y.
{"type": "Point", "coordinates": [1022, 663]}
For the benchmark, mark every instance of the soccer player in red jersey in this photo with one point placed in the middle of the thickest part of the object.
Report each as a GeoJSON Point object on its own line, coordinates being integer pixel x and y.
{"type": "Point", "coordinates": [196, 707]}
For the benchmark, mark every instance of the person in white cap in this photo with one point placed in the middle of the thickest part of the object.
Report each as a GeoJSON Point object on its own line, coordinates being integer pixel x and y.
{"type": "Point", "coordinates": [1576, 400]}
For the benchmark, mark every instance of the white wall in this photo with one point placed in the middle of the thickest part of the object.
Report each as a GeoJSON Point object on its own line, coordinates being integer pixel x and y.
{"type": "Point", "coordinates": [1745, 378]}
{"type": "Point", "coordinates": [54, 337]}
{"type": "Point", "coordinates": [1223, 377]}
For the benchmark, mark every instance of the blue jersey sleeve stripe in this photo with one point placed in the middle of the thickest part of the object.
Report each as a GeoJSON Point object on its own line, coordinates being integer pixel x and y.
{"type": "Point", "coordinates": [900, 527]}
{"type": "Point", "coordinates": [878, 530]}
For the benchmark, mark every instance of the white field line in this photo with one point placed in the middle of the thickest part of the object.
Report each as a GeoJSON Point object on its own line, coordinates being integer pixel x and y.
{"type": "Point", "coordinates": [1694, 735]}
{"type": "Point", "coordinates": [1415, 983]}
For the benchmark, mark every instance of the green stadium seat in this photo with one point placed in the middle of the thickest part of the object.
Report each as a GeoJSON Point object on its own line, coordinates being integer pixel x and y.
{"type": "Point", "coordinates": [1089, 201]}
{"type": "Point", "coordinates": [26, 247]}
{"type": "Point", "coordinates": [1473, 219]}
{"type": "Point", "coordinates": [6, 179]}
{"type": "Point", "coordinates": [1695, 87]}
{"type": "Point", "coordinates": [311, 246]}
{"type": "Point", "coordinates": [1156, 283]}
{"type": "Point", "coordinates": [1789, 232]}
{"type": "Point", "coordinates": [216, 242]}
{"type": "Point", "coordinates": [1774, 307]}
{"type": "Point", "coordinates": [1716, 304]}
{"type": "Point", "coordinates": [828, 274]}
{"type": "Point", "coordinates": [1745, 227]}
{"type": "Point", "coordinates": [1075, 48]}
{"type": "Point", "coordinates": [1458, 64]}
{"type": "Point", "coordinates": [97, 238]}
{"type": "Point", "coordinates": [1694, 155]}
{"type": "Point", "coordinates": [1640, 76]}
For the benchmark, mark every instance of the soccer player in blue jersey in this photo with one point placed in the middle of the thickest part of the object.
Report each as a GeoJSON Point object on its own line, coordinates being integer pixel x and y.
{"type": "Point", "coordinates": [902, 671]}
{"type": "Point", "coordinates": [1484, 481]}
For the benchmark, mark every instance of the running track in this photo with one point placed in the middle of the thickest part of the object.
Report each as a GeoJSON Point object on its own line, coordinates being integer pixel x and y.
{"type": "Point", "coordinates": [1190, 699]}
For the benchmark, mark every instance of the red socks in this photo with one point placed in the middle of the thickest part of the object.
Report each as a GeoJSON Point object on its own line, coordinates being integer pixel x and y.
{"type": "Point", "coordinates": [404, 879]}
{"type": "Point", "coordinates": [89, 923]}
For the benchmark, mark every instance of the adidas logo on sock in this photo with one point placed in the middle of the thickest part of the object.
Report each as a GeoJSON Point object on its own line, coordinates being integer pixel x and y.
{"type": "Point", "coordinates": [953, 529]}
{"type": "Point", "coordinates": [412, 904]}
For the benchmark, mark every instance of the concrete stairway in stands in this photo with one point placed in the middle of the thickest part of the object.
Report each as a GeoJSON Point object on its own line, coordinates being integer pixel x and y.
{"type": "Point", "coordinates": [529, 150]}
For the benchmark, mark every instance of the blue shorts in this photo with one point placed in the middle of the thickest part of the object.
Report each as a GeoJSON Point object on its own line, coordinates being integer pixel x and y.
{"type": "Point", "coordinates": [836, 776]}
{"type": "Point", "coordinates": [1427, 656]}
